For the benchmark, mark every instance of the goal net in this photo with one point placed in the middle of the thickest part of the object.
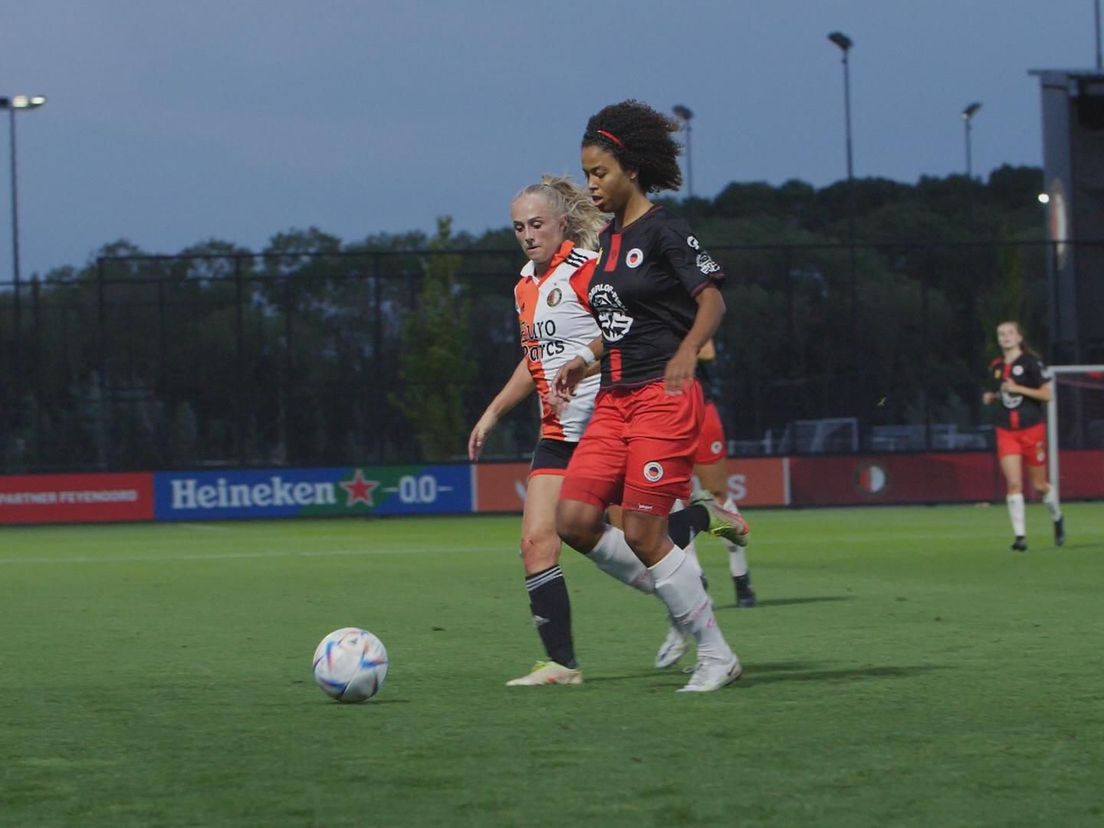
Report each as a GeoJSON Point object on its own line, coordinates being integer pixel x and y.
{"type": "Point", "coordinates": [1075, 424]}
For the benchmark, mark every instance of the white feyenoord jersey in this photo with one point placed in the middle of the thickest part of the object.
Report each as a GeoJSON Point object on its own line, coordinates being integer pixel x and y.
{"type": "Point", "coordinates": [555, 323]}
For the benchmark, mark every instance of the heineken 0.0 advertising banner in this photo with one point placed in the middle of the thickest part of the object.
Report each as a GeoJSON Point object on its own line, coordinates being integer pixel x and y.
{"type": "Point", "coordinates": [275, 493]}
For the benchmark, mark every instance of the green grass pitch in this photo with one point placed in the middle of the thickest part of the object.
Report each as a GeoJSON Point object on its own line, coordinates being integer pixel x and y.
{"type": "Point", "coordinates": [904, 668]}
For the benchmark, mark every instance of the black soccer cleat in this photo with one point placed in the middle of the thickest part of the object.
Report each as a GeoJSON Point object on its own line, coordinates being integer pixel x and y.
{"type": "Point", "coordinates": [1059, 531]}
{"type": "Point", "coordinates": [745, 595]}
{"type": "Point", "coordinates": [1019, 544]}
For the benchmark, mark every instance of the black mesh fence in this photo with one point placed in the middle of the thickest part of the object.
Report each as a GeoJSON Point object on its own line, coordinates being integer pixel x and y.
{"type": "Point", "coordinates": [250, 360]}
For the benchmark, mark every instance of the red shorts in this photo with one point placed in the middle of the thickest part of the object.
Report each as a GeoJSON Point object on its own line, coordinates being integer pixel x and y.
{"type": "Point", "coordinates": [711, 442]}
{"type": "Point", "coordinates": [637, 450]}
{"type": "Point", "coordinates": [1029, 442]}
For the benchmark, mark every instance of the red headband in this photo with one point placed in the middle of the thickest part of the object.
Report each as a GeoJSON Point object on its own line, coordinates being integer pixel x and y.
{"type": "Point", "coordinates": [611, 137]}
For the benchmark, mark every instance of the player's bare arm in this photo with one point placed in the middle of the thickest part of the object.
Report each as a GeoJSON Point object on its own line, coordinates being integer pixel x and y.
{"type": "Point", "coordinates": [575, 370]}
{"type": "Point", "coordinates": [682, 366]}
{"type": "Point", "coordinates": [517, 388]}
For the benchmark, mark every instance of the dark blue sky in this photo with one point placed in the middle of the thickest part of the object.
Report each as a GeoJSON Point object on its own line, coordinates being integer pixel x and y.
{"type": "Point", "coordinates": [170, 122]}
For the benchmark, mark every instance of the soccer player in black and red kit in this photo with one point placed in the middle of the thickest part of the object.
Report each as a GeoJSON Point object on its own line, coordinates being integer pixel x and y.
{"type": "Point", "coordinates": [655, 295]}
{"type": "Point", "coordinates": [1022, 386]}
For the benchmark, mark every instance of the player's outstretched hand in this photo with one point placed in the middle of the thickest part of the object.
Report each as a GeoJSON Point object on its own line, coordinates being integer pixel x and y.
{"type": "Point", "coordinates": [563, 386]}
{"type": "Point", "coordinates": [478, 437]}
{"type": "Point", "coordinates": [680, 371]}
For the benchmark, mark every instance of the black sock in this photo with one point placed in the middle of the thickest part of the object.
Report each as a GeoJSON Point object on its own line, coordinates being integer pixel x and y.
{"type": "Point", "coordinates": [684, 524]}
{"type": "Point", "coordinates": [552, 614]}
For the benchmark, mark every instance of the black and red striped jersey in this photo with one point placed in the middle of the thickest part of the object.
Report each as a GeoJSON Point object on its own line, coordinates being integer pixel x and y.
{"type": "Point", "coordinates": [643, 295]}
{"type": "Point", "coordinates": [1016, 410]}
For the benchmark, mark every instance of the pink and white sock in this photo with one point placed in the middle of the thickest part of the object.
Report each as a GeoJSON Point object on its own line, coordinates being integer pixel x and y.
{"type": "Point", "coordinates": [678, 584]}
{"type": "Point", "coordinates": [613, 556]}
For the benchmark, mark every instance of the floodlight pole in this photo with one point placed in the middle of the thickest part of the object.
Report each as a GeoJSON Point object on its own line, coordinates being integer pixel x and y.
{"type": "Point", "coordinates": [845, 43]}
{"type": "Point", "coordinates": [17, 102]}
{"type": "Point", "coordinates": [967, 119]}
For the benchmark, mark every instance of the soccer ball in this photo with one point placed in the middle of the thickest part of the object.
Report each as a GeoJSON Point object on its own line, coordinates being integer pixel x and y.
{"type": "Point", "coordinates": [350, 664]}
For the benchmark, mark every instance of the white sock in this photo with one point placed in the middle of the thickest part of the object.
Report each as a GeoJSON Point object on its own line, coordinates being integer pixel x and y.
{"type": "Point", "coordinates": [1050, 499]}
{"type": "Point", "coordinates": [1016, 513]}
{"type": "Point", "coordinates": [679, 587]}
{"type": "Point", "coordinates": [737, 560]}
{"type": "Point", "coordinates": [613, 556]}
{"type": "Point", "coordinates": [692, 553]}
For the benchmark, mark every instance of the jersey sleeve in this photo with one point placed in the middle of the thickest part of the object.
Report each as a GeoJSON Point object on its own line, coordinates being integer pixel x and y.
{"type": "Point", "coordinates": [580, 283]}
{"type": "Point", "coordinates": [692, 265]}
{"type": "Point", "coordinates": [1039, 373]}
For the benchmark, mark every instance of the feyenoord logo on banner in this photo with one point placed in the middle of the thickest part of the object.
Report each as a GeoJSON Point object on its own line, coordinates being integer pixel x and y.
{"type": "Point", "coordinates": [871, 479]}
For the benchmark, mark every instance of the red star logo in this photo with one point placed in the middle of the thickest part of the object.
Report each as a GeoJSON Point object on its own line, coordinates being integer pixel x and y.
{"type": "Point", "coordinates": [359, 490]}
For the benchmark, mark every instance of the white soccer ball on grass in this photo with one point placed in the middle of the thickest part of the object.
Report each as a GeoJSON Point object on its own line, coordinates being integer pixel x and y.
{"type": "Point", "coordinates": [350, 664]}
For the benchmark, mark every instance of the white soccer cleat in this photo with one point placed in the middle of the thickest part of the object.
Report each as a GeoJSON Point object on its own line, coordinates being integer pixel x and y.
{"type": "Point", "coordinates": [673, 648]}
{"type": "Point", "coordinates": [547, 672]}
{"type": "Point", "coordinates": [727, 524]}
{"type": "Point", "coordinates": [713, 675]}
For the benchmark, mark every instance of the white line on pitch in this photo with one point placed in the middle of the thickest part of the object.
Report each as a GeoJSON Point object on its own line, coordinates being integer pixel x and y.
{"type": "Point", "coordinates": [155, 557]}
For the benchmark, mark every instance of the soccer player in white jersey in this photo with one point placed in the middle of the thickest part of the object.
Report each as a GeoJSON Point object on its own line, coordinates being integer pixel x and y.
{"type": "Point", "coordinates": [556, 224]}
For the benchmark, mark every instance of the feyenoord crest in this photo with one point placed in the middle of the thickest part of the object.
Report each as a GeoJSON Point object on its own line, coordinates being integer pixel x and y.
{"type": "Point", "coordinates": [871, 479]}
{"type": "Point", "coordinates": [554, 297]}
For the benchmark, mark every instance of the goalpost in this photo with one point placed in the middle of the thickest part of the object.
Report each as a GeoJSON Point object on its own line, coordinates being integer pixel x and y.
{"type": "Point", "coordinates": [1086, 432]}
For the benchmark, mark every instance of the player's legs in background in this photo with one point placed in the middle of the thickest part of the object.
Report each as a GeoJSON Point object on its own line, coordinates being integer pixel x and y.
{"type": "Point", "coordinates": [544, 581]}
{"type": "Point", "coordinates": [1037, 474]}
{"type": "Point", "coordinates": [1012, 468]}
{"type": "Point", "coordinates": [714, 478]}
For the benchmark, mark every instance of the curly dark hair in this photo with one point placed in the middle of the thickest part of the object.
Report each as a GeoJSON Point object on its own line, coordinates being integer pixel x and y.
{"type": "Point", "coordinates": [640, 139]}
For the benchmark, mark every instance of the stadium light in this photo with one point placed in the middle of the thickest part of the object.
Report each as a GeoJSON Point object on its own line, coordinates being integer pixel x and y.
{"type": "Point", "coordinates": [1044, 198]}
{"type": "Point", "coordinates": [13, 105]}
{"type": "Point", "coordinates": [685, 115]}
{"type": "Point", "coordinates": [967, 117]}
{"type": "Point", "coordinates": [845, 43]}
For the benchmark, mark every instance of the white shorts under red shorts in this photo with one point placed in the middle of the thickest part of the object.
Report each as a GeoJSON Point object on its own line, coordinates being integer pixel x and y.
{"type": "Point", "coordinates": [1029, 442]}
{"type": "Point", "coordinates": [638, 449]}
{"type": "Point", "coordinates": [711, 444]}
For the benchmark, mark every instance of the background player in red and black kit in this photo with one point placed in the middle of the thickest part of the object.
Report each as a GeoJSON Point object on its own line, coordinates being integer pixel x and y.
{"type": "Point", "coordinates": [1022, 386]}
{"type": "Point", "coordinates": [711, 469]}
{"type": "Point", "coordinates": [654, 294]}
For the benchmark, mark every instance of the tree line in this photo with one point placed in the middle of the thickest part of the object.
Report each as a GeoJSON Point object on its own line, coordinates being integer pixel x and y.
{"type": "Point", "coordinates": [873, 300]}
